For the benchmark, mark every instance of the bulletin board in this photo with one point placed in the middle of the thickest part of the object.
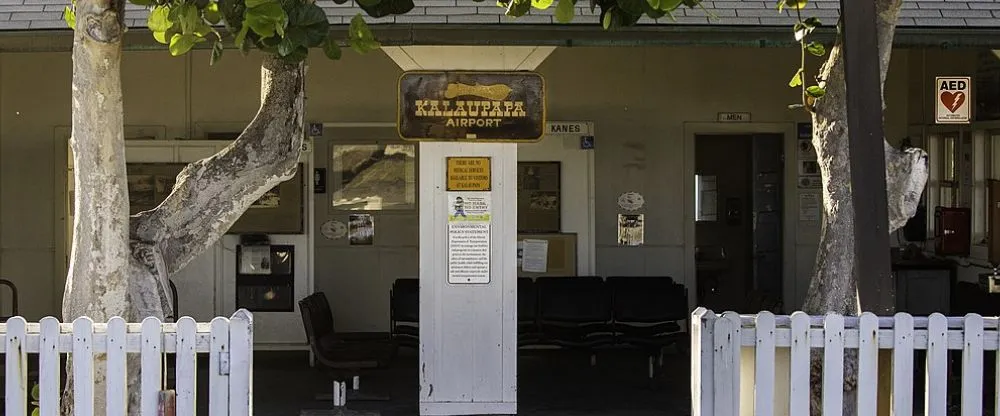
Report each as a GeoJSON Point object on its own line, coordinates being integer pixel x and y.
{"type": "Point", "coordinates": [561, 259]}
{"type": "Point", "coordinates": [279, 211]}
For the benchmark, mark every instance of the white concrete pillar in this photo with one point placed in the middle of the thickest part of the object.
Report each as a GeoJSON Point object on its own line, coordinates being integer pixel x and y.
{"type": "Point", "coordinates": [468, 329]}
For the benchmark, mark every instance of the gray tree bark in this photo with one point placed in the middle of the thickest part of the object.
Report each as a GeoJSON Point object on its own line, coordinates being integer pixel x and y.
{"type": "Point", "coordinates": [120, 266]}
{"type": "Point", "coordinates": [834, 286]}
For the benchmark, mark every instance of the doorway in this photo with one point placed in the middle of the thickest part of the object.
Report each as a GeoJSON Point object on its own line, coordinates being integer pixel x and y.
{"type": "Point", "coordinates": [738, 221]}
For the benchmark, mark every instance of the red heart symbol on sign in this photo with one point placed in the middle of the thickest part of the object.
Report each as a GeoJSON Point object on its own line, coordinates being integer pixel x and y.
{"type": "Point", "coordinates": [952, 101]}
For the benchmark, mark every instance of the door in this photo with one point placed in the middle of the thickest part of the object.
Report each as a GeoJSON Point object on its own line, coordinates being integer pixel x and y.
{"type": "Point", "coordinates": [722, 240]}
{"type": "Point", "coordinates": [738, 226]}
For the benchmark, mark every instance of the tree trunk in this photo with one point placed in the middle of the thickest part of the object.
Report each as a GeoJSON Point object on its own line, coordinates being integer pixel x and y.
{"type": "Point", "coordinates": [834, 286]}
{"type": "Point", "coordinates": [120, 266]}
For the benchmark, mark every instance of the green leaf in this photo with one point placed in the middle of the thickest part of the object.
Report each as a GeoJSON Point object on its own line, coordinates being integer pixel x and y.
{"type": "Point", "coordinates": [565, 11]}
{"type": "Point", "coordinates": [190, 19]}
{"type": "Point", "coordinates": [70, 17]}
{"type": "Point", "coordinates": [297, 55]}
{"type": "Point", "coordinates": [816, 48]}
{"type": "Point", "coordinates": [241, 37]}
{"type": "Point", "coordinates": [802, 30]}
{"type": "Point", "coordinates": [158, 20]}
{"type": "Point", "coordinates": [669, 5]}
{"type": "Point", "coordinates": [792, 4]}
{"type": "Point", "coordinates": [360, 36]}
{"type": "Point", "coordinates": [541, 4]}
{"type": "Point", "coordinates": [812, 22]}
{"type": "Point", "coordinates": [654, 4]}
{"type": "Point", "coordinates": [815, 91]}
{"type": "Point", "coordinates": [311, 19]}
{"type": "Point", "coordinates": [331, 49]}
{"type": "Point", "coordinates": [368, 3]}
{"type": "Point", "coordinates": [35, 392]}
{"type": "Point", "coordinates": [212, 13]}
{"type": "Point", "coordinates": [267, 19]}
{"type": "Point", "coordinates": [35, 412]}
{"type": "Point", "coordinates": [182, 43]}
{"type": "Point", "coordinates": [142, 2]}
{"type": "Point", "coordinates": [796, 79]}
{"type": "Point", "coordinates": [216, 52]}
{"type": "Point", "coordinates": [610, 19]}
{"type": "Point", "coordinates": [254, 3]}
{"type": "Point", "coordinates": [518, 8]}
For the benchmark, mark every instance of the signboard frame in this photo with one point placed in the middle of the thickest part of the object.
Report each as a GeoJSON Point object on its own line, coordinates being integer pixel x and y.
{"type": "Point", "coordinates": [940, 108]}
{"type": "Point", "coordinates": [542, 98]}
{"type": "Point", "coordinates": [449, 186]}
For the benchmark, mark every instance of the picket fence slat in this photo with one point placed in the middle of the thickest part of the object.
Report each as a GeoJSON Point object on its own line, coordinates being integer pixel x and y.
{"type": "Point", "coordinates": [833, 366]}
{"type": "Point", "coordinates": [936, 399]}
{"type": "Point", "coordinates": [764, 383]}
{"type": "Point", "coordinates": [83, 367]}
{"type": "Point", "coordinates": [83, 339]}
{"type": "Point", "coordinates": [241, 360]}
{"type": "Point", "coordinates": [151, 362]}
{"type": "Point", "coordinates": [867, 364]}
{"type": "Point", "coordinates": [902, 366]}
{"type": "Point", "coordinates": [799, 363]}
{"type": "Point", "coordinates": [117, 381]}
{"type": "Point", "coordinates": [218, 377]}
{"type": "Point", "coordinates": [702, 361]}
{"type": "Point", "coordinates": [187, 372]}
{"type": "Point", "coordinates": [49, 368]}
{"type": "Point", "coordinates": [16, 394]}
{"type": "Point", "coordinates": [972, 367]}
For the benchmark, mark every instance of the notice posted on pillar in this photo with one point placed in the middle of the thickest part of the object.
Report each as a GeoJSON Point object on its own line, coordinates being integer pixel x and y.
{"type": "Point", "coordinates": [468, 237]}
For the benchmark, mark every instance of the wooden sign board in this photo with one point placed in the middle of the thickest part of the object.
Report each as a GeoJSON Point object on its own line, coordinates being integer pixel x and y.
{"type": "Point", "coordinates": [469, 174]}
{"type": "Point", "coordinates": [953, 98]}
{"type": "Point", "coordinates": [471, 106]}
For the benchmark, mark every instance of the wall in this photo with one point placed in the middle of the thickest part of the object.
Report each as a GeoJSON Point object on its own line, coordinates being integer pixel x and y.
{"type": "Point", "coordinates": [646, 104]}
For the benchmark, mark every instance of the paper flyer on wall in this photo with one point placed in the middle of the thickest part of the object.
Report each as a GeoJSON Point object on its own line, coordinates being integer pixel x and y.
{"type": "Point", "coordinates": [535, 256]}
{"type": "Point", "coordinates": [469, 237]}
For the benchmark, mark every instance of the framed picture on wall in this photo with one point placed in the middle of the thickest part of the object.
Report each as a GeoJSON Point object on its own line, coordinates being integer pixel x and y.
{"type": "Point", "coordinates": [539, 197]}
{"type": "Point", "coordinates": [278, 211]}
{"type": "Point", "coordinates": [374, 177]}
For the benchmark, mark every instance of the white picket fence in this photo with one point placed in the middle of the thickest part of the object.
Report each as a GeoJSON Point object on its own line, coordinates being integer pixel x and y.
{"type": "Point", "coordinates": [229, 343]}
{"type": "Point", "coordinates": [716, 342]}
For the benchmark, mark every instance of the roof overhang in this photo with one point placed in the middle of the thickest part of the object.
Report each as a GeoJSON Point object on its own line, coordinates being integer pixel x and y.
{"type": "Point", "coordinates": [557, 35]}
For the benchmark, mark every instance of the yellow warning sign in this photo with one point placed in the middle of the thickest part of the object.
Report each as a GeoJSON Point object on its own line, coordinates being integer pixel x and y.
{"type": "Point", "coordinates": [469, 174]}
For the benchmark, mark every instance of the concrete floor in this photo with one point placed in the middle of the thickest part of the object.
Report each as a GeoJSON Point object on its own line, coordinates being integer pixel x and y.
{"type": "Point", "coordinates": [552, 382]}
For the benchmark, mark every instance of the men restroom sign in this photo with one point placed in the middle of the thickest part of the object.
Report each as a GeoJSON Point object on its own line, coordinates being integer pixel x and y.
{"type": "Point", "coordinates": [471, 106]}
{"type": "Point", "coordinates": [954, 101]}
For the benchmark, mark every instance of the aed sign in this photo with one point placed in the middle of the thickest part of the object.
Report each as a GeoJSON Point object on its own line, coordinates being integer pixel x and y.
{"type": "Point", "coordinates": [954, 99]}
{"type": "Point", "coordinates": [469, 174]}
{"type": "Point", "coordinates": [471, 106]}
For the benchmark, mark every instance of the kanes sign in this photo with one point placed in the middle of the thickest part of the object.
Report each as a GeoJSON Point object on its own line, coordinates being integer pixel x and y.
{"type": "Point", "coordinates": [953, 98]}
{"type": "Point", "coordinates": [471, 106]}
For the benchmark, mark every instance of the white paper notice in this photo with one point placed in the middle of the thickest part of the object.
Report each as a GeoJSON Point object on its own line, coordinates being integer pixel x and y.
{"type": "Point", "coordinates": [535, 256]}
{"type": "Point", "coordinates": [809, 206]}
{"type": "Point", "coordinates": [468, 237]}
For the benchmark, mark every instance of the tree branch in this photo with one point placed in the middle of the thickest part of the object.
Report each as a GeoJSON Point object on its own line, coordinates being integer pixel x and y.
{"type": "Point", "coordinates": [212, 193]}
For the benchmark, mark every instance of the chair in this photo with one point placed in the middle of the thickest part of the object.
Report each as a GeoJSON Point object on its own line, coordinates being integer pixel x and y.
{"type": "Point", "coordinates": [574, 312]}
{"type": "Point", "coordinates": [404, 312]}
{"type": "Point", "coordinates": [648, 312]}
{"type": "Point", "coordinates": [528, 332]}
{"type": "Point", "coordinates": [13, 300]}
{"type": "Point", "coordinates": [342, 359]}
